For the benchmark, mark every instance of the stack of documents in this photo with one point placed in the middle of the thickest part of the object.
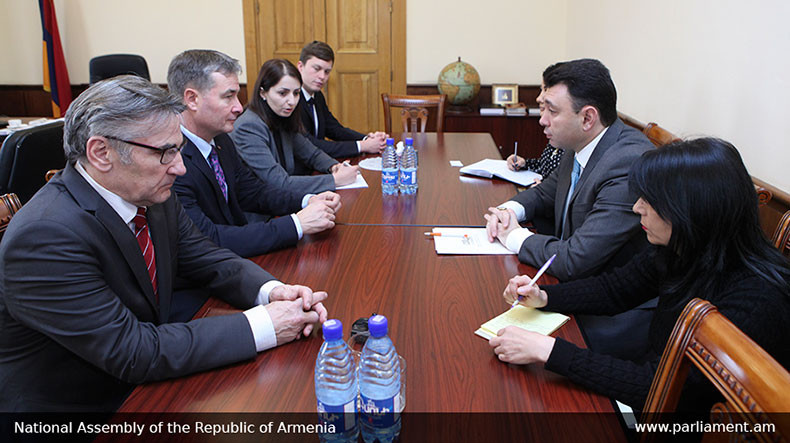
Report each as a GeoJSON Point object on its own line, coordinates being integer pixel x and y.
{"type": "Point", "coordinates": [498, 168]}
{"type": "Point", "coordinates": [530, 319]}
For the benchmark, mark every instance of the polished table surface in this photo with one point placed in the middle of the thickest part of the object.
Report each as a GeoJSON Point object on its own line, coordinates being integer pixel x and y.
{"type": "Point", "coordinates": [446, 197]}
{"type": "Point", "coordinates": [434, 304]}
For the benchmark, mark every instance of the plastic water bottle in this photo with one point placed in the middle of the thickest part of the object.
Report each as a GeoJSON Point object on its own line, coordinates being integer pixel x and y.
{"type": "Point", "coordinates": [379, 385]}
{"type": "Point", "coordinates": [336, 386]}
{"type": "Point", "coordinates": [389, 169]}
{"type": "Point", "coordinates": [408, 168]}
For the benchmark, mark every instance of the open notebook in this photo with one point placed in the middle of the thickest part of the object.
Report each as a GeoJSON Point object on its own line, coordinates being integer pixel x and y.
{"type": "Point", "coordinates": [498, 168]}
{"type": "Point", "coordinates": [530, 319]}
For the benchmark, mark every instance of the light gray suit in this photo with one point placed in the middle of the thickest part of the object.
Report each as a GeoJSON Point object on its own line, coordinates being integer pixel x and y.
{"type": "Point", "coordinates": [255, 144]}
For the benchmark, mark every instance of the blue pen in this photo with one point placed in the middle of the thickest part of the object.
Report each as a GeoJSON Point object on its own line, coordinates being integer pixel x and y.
{"type": "Point", "coordinates": [537, 276]}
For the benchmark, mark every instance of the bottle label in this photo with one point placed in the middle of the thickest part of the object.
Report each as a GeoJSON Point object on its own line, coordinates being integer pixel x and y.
{"type": "Point", "coordinates": [343, 417]}
{"type": "Point", "coordinates": [379, 413]}
{"type": "Point", "coordinates": [408, 177]}
{"type": "Point", "coordinates": [389, 177]}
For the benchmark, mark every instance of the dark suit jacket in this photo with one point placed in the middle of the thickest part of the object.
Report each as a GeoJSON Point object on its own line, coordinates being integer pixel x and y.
{"type": "Point", "coordinates": [78, 316]}
{"type": "Point", "coordinates": [601, 223]}
{"type": "Point", "coordinates": [344, 140]}
{"type": "Point", "coordinates": [225, 222]}
{"type": "Point", "coordinates": [256, 146]}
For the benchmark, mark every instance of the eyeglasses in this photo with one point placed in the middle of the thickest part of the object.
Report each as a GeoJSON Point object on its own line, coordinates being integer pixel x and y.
{"type": "Point", "coordinates": [168, 152]}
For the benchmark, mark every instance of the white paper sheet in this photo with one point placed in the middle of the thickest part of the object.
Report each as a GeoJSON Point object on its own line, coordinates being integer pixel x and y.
{"type": "Point", "coordinates": [477, 245]}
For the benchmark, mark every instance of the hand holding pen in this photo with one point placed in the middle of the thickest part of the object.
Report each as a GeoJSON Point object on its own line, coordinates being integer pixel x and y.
{"type": "Point", "coordinates": [521, 288]}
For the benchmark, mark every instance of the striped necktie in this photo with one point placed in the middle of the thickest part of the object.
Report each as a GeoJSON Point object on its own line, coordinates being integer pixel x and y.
{"type": "Point", "coordinates": [146, 246]}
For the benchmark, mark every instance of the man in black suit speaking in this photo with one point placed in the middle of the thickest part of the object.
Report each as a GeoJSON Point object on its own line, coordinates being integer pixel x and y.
{"type": "Point", "coordinates": [87, 267]}
{"type": "Point", "coordinates": [315, 65]}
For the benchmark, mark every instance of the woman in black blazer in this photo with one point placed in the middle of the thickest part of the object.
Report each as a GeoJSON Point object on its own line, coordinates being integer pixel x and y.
{"type": "Point", "coordinates": [698, 208]}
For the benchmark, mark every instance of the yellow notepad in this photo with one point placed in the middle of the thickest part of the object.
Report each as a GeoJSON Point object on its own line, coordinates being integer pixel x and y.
{"type": "Point", "coordinates": [530, 319]}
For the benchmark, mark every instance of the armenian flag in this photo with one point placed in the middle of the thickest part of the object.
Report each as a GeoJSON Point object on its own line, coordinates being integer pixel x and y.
{"type": "Point", "coordinates": [56, 76]}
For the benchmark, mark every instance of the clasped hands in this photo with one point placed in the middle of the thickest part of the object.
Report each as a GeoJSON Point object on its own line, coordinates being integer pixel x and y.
{"type": "Point", "coordinates": [513, 344]}
{"type": "Point", "coordinates": [294, 309]}
{"type": "Point", "coordinates": [500, 222]}
{"type": "Point", "coordinates": [373, 143]}
{"type": "Point", "coordinates": [319, 214]}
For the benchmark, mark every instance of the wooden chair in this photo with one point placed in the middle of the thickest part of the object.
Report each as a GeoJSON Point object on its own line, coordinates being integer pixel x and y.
{"type": "Point", "coordinates": [51, 173]}
{"type": "Point", "coordinates": [763, 195]}
{"type": "Point", "coordinates": [9, 205]}
{"type": "Point", "coordinates": [781, 237]}
{"type": "Point", "coordinates": [753, 384]}
{"type": "Point", "coordinates": [414, 108]}
{"type": "Point", "coordinates": [658, 135]}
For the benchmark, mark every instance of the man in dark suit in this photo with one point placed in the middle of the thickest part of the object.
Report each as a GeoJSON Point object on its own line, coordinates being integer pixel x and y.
{"type": "Point", "coordinates": [218, 188]}
{"type": "Point", "coordinates": [315, 65]}
{"type": "Point", "coordinates": [582, 210]}
{"type": "Point", "coordinates": [87, 267]}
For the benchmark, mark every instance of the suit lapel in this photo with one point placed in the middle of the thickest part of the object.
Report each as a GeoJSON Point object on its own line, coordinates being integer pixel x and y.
{"type": "Point", "coordinates": [157, 225]}
{"type": "Point", "coordinates": [91, 201]}
{"type": "Point", "coordinates": [608, 139]}
{"type": "Point", "coordinates": [196, 160]}
{"type": "Point", "coordinates": [563, 185]}
{"type": "Point", "coordinates": [606, 142]}
{"type": "Point", "coordinates": [320, 105]}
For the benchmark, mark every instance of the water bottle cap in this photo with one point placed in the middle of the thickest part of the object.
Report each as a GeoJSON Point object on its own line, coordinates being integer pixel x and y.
{"type": "Point", "coordinates": [390, 141]}
{"type": "Point", "coordinates": [333, 329]}
{"type": "Point", "coordinates": [377, 325]}
{"type": "Point", "coordinates": [409, 141]}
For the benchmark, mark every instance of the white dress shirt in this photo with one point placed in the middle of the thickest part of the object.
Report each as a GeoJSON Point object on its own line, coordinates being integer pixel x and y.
{"type": "Point", "coordinates": [307, 96]}
{"type": "Point", "coordinates": [517, 236]}
{"type": "Point", "coordinates": [205, 150]}
{"type": "Point", "coordinates": [258, 317]}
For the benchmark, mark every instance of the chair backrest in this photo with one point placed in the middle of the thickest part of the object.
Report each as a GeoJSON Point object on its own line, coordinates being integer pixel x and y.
{"type": "Point", "coordinates": [781, 238]}
{"type": "Point", "coordinates": [658, 135]}
{"type": "Point", "coordinates": [26, 156]}
{"type": "Point", "coordinates": [9, 205]}
{"type": "Point", "coordinates": [753, 384]}
{"type": "Point", "coordinates": [413, 108]}
{"type": "Point", "coordinates": [108, 66]}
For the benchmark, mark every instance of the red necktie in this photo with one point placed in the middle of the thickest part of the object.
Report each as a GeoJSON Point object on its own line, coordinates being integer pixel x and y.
{"type": "Point", "coordinates": [146, 246]}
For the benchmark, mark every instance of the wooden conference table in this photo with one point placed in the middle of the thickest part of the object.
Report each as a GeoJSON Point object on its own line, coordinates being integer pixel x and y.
{"type": "Point", "coordinates": [377, 260]}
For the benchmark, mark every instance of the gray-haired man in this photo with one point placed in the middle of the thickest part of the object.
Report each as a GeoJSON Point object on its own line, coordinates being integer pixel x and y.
{"type": "Point", "coordinates": [87, 267]}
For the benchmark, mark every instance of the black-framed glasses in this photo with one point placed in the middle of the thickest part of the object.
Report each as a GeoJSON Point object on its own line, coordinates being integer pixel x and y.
{"type": "Point", "coordinates": [168, 152]}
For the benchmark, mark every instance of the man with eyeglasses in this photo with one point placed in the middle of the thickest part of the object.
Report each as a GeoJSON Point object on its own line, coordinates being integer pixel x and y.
{"type": "Point", "coordinates": [218, 190]}
{"type": "Point", "coordinates": [87, 267]}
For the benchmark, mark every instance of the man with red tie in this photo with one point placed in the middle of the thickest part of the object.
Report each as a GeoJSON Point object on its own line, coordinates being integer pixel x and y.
{"type": "Point", "coordinates": [87, 267]}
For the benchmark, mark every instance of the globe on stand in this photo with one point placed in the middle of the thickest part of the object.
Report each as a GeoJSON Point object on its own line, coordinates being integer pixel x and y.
{"type": "Point", "coordinates": [460, 82]}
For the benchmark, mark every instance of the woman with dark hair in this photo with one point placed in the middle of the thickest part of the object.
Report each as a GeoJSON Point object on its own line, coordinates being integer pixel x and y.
{"type": "Point", "coordinates": [699, 211]}
{"type": "Point", "coordinates": [268, 136]}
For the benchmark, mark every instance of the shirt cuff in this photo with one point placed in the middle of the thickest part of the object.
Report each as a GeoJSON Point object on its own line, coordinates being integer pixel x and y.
{"type": "Point", "coordinates": [262, 328]}
{"type": "Point", "coordinates": [516, 238]}
{"type": "Point", "coordinates": [521, 214]}
{"type": "Point", "coordinates": [266, 289]}
{"type": "Point", "coordinates": [359, 145]}
{"type": "Point", "coordinates": [298, 226]}
{"type": "Point", "coordinates": [306, 200]}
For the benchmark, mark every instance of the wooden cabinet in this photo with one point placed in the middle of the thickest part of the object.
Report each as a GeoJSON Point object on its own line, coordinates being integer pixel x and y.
{"type": "Point", "coordinates": [505, 131]}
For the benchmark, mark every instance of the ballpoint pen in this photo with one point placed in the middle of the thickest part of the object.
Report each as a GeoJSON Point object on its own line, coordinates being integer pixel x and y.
{"type": "Point", "coordinates": [534, 279]}
{"type": "Point", "coordinates": [439, 234]}
{"type": "Point", "coordinates": [515, 156]}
